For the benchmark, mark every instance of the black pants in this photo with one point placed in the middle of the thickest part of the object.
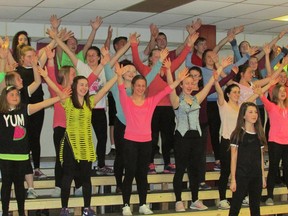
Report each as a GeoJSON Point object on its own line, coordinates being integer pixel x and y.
{"type": "Point", "coordinates": [34, 131]}
{"type": "Point", "coordinates": [72, 168]}
{"type": "Point", "coordinates": [214, 127]}
{"type": "Point", "coordinates": [188, 155]}
{"type": "Point", "coordinates": [251, 185]}
{"type": "Point", "coordinates": [276, 152]}
{"type": "Point", "coordinates": [136, 161]}
{"type": "Point", "coordinates": [99, 123]}
{"type": "Point", "coordinates": [13, 172]}
{"type": "Point", "coordinates": [119, 130]}
{"type": "Point", "coordinates": [225, 159]}
{"type": "Point", "coordinates": [202, 170]}
{"type": "Point", "coordinates": [163, 121]}
{"type": "Point", "coordinates": [58, 135]}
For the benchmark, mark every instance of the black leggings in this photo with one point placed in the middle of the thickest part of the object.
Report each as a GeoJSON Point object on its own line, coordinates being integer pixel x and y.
{"type": "Point", "coordinates": [136, 163]}
{"type": "Point", "coordinates": [251, 185]}
{"type": "Point", "coordinates": [13, 172]}
{"type": "Point", "coordinates": [225, 159]}
{"type": "Point", "coordinates": [188, 155]}
{"type": "Point", "coordinates": [99, 123]}
{"type": "Point", "coordinates": [72, 168]}
{"type": "Point", "coordinates": [119, 130]}
{"type": "Point", "coordinates": [34, 131]}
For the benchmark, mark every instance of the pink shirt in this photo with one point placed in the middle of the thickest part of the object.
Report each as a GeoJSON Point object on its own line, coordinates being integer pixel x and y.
{"type": "Point", "coordinates": [59, 117]}
{"type": "Point", "coordinates": [138, 118]}
{"type": "Point", "coordinates": [158, 84]}
{"type": "Point", "coordinates": [278, 122]}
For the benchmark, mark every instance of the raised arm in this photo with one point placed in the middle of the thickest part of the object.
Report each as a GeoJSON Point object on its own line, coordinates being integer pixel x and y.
{"type": "Point", "coordinates": [220, 93]}
{"type": "Point", "coordinates": [63, 46]}
{"type": "Point", "coordinates": [37, 78]}
{"type": "Point", "coordinates": [95, 24]}
{"type": "Point", "coordinates": [152, 43]}
{"type": "Point", "coordinates": [108, 38]}
{"type": "Point", "coordinates": [174, 99]}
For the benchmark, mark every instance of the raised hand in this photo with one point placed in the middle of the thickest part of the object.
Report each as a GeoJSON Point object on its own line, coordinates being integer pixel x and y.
{"type": "Point", "coordinates": [282, 33]}
{"type": "Point", "coordinates": [183, 74]}
{"type": "Point", "coordinates": [226, 61]}
{"type": "Point", "coordinates": [252, 50]}
{"type": "Point", "coordinates": [215, 75]}
{"type": "Point", "coordinates": [109, 31]}
{"type": "Point", "coordinates": [192, 38]}
{"type": "Point", "coordinates": [119, 70]}
{"type": "Point", "coordinates": [105, 55]}
{"type": "Point", "coordinates": [133, 38]}
{"type": "Point", "coordinates": [238, 29]}
{"type": "Point", "coordinates": [66, 35]}
{"type": "Point", "coordinates": [65, 93]}
{"type": "Point", "coordinates": [95, 24]}
{"type": "Point", "coordinates": [167, 63]}
{"type": "Point", "coordinates": [42, 72]}
{"type": "Point", "coordinates": [55, 22]}
{"type": "Point", "coordinates": [3, 52]}
{"type": "Point", "coordinates": [52, 34]}
{"type": "Point", "coordinates": [266, 48]}
{"type": "Point", "coordinates": [214, 57]}
{"type": "Point", "coordinates": [163, 54]}
{"type": "Point", "coordinates": [154, 31]}
{"type": "Point", "coordinates": [50, 53]}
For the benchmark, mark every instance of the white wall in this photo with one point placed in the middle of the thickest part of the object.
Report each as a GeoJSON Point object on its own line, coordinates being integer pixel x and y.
{"type": "Point", "coordinates": [175, 37]}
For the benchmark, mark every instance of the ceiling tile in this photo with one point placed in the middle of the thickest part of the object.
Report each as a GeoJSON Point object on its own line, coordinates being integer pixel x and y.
{"type": "Point", "coordinates": [125, 17]}
{"type": "Point", "coordinates": [111, 4]}
{"type": "Point", "coordinates": [230, 23]}
{"type": "Point", "coordinates": [41, 14]}
{"type": "Point", "coordinates": [64, 4]}
{"type": "Point", "coordinates": [266, 2]}
{"type": "Point", "coordinates": [198, 7]}
{"type": "Point", "coordinates": [264, 25]}
{"type": "Point", "coordinates": [205, 21]}
{"type": "Point", "coordinates": [163, 19]}
{"type": "Point", "coordinates": [267, 14]}
{"type": "Point", "coordinates": [84, 16]}
{"type": "Point", "coordinates": [9, 12]}
{"type": "Point", "coordinates": [18, 3]}
{"type": "Point", "coordinates": [236, 10]}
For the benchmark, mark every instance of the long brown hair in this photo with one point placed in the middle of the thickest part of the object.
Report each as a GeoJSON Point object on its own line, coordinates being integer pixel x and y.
{"type": "Point", "coordinates": [74, 96]}
{"type": "Point", "coordinates": [238, 133]}
{"type": "Point", "coordinates": [275, 97]}
{"type": "Point", "coordinates": [4, 106]}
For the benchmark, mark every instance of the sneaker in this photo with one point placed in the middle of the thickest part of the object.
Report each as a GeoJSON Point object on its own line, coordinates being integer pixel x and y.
{"type": "Point", "coordinates": [39, 174]}
{"type": "Point", "coordinates": [204, 186]}
{"type": "Point", "coordinates": [198, 205]}
{"type": "Point", "coordinates": [179, 206]}
{"type": "Point", "coordinates": [88, 212]}
{"type": "Point", "coordinates": [152, 169]}
{"type": "Point", "coordinates": [78, 192]}
{"type": "Point", "coordinates": [217, 167]}
{"type": "Point", "coordinates": [170, 168]}
{"type": "Point", "coordinates": [224, 204]}
{"type": "Point", "coordinates": [31, 193]}
{"type": "Point", "coordinates": [105, 171]}
{"type": "Point", "coordinates": [64, 212]}
{"type": "Point", "coordinates": [56, 192]}
{"type": "Point", "coordinates": [144, 209]}
{"type": "Point", "coordinates": [245, 201]}
{"type": "Point", "coordinates": [126, 211]}
{"type": "Point", "coordinates": [269, 202]}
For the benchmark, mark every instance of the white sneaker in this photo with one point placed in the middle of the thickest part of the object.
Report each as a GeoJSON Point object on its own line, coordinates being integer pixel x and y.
{"type": "Point", "coordinates": [31, 194]}
{"type": "Point", "coordinates": [56, 192]}
{"type": "Point", "coordinates": [144, 209]}
{"type": "Point", "coordinates": [78, 192]}
{"type": "Point", "coordinates": [224, 204]}
{"type": "Point", "coordinates": [245, 201]}
{"type": "Point", "coordinates": [126, 211]}
{"type": "Point", "coordinates": [198, 205]}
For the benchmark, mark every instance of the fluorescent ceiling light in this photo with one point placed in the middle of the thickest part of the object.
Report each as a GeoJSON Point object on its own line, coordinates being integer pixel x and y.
{"type": "Point", "coordinates": [282, 18]}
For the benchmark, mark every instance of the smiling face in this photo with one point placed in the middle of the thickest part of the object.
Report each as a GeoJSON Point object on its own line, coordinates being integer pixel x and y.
{"type": "Point", "coordinates": [187, 85]}
{"type": "Point", "coordinates": [130, 73]}
{"type": "Point", "coordinates": [282, 78]}
{"type": "Point", "coordinates": [234, 94]}
{"type": "Point", "coordinates": [247, 75]}
{"type": "Point", "coordinates": [201, 47]}
{"type": "Point", "coordinates": [244, 46]}
{"type": "Point", "coordinates": [139, 87]}
{"type": "Point", "coordinates": [13, 98]}
{"type": "Point", "coordinates": [253, 63]}
{"type": "Point", "coordinates": [251, 115]}
{"type": "Point", "coordinates": [208, 59]}
{"type": "Point", "coordinates": [92, 57]}
{"type": "Point", "coordinates": [27, 58]}
{"type": "Point", "coordinates": [161, 41]}
{"type": "Point", "coordinates": [82, 87]}
{"type": "Point", "coordinates": [282, 94]}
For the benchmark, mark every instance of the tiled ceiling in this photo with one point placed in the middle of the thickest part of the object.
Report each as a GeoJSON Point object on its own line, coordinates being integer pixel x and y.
{"type": "Point", "coordinates": [254, 14]}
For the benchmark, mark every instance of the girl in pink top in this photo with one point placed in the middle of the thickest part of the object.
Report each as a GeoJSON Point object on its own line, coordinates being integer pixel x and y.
{"type": "Point", "coordinates": [138, 110]}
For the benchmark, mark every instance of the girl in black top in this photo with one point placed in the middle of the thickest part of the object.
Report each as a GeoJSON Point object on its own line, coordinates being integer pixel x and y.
{"type": "Point", "coordinates": [247, 164]}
